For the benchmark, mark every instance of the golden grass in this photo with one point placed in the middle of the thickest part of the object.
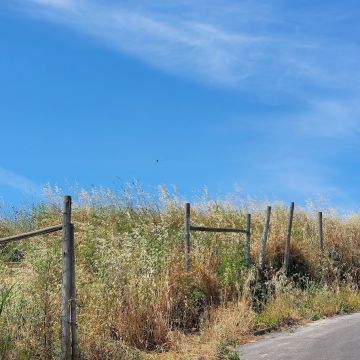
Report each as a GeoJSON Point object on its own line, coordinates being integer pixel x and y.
{"type": "Point", "coordinates": [136, 302]}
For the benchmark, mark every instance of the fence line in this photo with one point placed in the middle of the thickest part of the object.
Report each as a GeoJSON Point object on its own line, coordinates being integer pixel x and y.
{"type": "Point", "coordinates": [210, 229]}
{"type": "Point", "coordinates": [189, 228]}
{"type": "Point", "coordinates": [30, 234]}
{"type": "Point", "coordinates": [247, 231]}
{"type": "Point", "coordinates": [68, 309]}
{"type": "Point", "coordinates": [69, 342]}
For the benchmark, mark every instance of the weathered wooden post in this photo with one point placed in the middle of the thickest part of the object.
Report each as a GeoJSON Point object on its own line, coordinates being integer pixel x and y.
{"type": "Point", "coordinates": [187, 248]}
{"type": "Point", "coordinates": [321, 233]}
{"type": "Point", "coordinates": [68, 305]}
{"type": "Point", "coordinates": [288, 239]}
{"type": "Point", "coordinates": [74, 341]}
{"type": "Point", "coordinates": [264, 239]}
{"type": "Point", "coordinates": [248, 239]}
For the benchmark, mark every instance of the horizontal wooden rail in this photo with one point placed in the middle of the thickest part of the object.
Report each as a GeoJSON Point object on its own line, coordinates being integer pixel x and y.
{"type": "Point", "coordinates": [226, 230]}
{"type": "Point", "coordinates": [30, 234]}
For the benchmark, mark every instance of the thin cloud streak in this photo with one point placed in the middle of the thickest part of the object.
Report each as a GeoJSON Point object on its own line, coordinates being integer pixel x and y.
{"type": "Point", "coordinates": [331, 119]}
{"type": "Point", "coordinates": [207, 46]}
{"type": "Point", "coordinates": [68, 4]}
{"type": "Point", "coordinates": [19, 182]}
{"type": "Point", "coordinates": [176, 45]}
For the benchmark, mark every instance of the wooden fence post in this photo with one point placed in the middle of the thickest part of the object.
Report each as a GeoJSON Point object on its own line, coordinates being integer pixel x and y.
{"type": "Point", "coordinates": [248, 239]}
{"type": "Point", "coordinates": [321, 233]}
{"type": "Point", "coordinates": [265, 238]}
{"type": "Point", "coordinates": [68, 286]}
{"type": "Point", "coordinates": [187, 247]}
{"type": "Point", "coordinates": [74, 342]}
{"type": "Point", "coordinates": [288, 239]}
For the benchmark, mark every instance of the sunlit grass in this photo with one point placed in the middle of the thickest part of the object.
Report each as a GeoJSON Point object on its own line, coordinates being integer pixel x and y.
{"type": "Point", "coordinates": [134, 298]}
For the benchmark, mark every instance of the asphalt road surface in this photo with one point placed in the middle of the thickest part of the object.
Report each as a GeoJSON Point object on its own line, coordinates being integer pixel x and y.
{"type": "Point", "coordinates": [330, 339]}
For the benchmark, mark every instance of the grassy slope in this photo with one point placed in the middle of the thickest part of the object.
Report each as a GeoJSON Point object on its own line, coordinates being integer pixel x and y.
{"type": "Point", "coordinates": [136, 302]}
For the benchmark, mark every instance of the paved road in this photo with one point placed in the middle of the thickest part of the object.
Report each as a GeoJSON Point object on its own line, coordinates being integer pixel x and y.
{"type": "Point", "coordinates": [331, 339]}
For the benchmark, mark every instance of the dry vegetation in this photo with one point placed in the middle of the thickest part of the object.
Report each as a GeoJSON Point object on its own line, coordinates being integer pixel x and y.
{"type": "Point", "coordinates": [135, 301]}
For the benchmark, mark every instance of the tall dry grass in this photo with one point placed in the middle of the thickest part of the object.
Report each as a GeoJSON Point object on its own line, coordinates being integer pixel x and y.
{"type": "Point", "coordinates": [134, 299]}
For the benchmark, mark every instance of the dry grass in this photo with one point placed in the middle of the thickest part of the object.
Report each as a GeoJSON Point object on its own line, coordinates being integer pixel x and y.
{"type": "Point", "coordinates": [135, 301]}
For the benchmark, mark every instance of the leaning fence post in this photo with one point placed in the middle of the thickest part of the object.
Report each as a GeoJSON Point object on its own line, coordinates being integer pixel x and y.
{"type": "Point", "coordinates": [248, 239]}
{"type": "Point", "coordinates": [321, 233]}
{"type": "Point", "coordinates": [187, 247]}
{"type": "Point", "coordinates": [67, 274]}
{"type": "Point", "coordinates": [288, 239]}
{"type": "Point", "coordinates": [265, 238]}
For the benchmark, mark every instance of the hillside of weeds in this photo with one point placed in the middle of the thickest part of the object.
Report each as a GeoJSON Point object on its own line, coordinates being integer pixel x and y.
{"type": "Point", "coordinates": [134, 299]}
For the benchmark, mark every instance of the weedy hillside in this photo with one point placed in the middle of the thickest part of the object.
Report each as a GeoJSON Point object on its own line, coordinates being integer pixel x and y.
{"type": "Point", "coordinates": [134, 299]}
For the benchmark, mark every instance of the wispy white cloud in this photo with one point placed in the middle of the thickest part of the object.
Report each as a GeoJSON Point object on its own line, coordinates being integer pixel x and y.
{"type": "Point", "coordinates": [227, 43]}
{"type": "Point", "coordinates": [329, 118]}
{"type": "Point", "coordinates": [19, 182]}
{"type": "Point", "coordinates": [177, 44]}
{"type": "Point", "coordinates": [265, 48]}
{"type": "Point", "coordinates": [63, 4]}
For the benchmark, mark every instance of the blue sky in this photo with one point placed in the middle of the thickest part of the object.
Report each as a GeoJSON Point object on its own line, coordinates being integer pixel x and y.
{"type": "Point", "coordinates": [258, 97]}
